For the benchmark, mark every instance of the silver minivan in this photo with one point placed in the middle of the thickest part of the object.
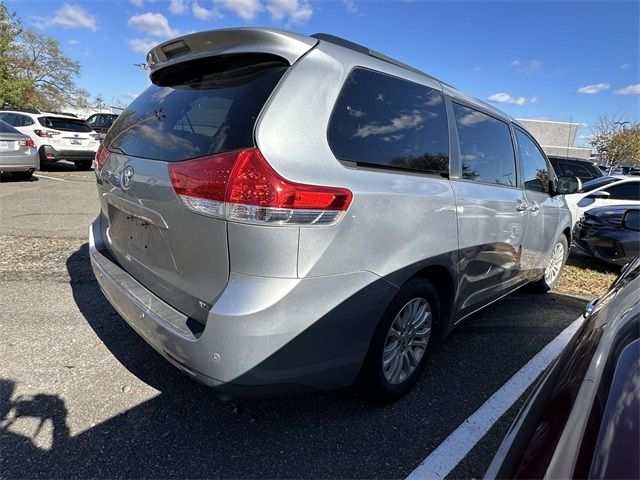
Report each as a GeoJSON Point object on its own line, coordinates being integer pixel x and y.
{"type": "Point", "coordinates": [282, 212]}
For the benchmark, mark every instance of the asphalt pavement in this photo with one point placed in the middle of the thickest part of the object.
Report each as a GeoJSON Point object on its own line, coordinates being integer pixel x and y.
{"type": "Point", "coordinates": [81, 395]}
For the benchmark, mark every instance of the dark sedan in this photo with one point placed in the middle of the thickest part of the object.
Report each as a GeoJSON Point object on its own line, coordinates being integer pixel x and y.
{"type": "Point", "coordinates": [610, 233]}
{"type": "Point", "coordinates": [581, 420]}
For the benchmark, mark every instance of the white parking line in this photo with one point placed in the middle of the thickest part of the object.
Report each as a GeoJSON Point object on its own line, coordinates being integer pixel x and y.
{"type": "Point", "coordinates": [457, 445]}
{"type": "Point", "coordinates": [50, 178]}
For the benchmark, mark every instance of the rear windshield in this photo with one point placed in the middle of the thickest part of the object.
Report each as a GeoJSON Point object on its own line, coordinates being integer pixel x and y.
{"type": "Point", "coordinates": [198, 108]}
{"type": "Point", "coordinates": [598, 182]}
{"type": "Point", "coordinates": [64, 124]}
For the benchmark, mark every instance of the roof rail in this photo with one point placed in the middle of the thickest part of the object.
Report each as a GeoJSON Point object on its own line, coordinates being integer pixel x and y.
{"type": "Point", "coordinates": [367, 51]}
{"type": "Point", "coordinates": [21, 109]}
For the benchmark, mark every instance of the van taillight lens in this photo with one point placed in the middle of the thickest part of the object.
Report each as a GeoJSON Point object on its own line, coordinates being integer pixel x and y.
{"type": "Point", "coordinates": [101, 157]}
{"type": "Point", "coordinates": [242, 186]}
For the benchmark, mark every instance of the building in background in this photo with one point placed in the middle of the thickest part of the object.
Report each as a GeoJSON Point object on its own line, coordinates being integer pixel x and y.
{"type": "Point", "coordinates": [557, 139]}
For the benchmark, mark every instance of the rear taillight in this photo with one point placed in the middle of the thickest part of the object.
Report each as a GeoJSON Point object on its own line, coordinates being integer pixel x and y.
{"type": "Point", "coordinates": [27, 143]}
{"type": "Point", "coordinates": [96, 136]}
{"type": "Point", "coordinates": [46, 133]}
{"type": "Point", "coordinates": [101, 158]}
{"type": "Point", "coordinates": [241, 186]}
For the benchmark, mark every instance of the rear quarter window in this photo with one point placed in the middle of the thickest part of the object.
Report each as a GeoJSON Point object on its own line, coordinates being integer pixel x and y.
{"type": "Point", "coordinates": [198, 108]}
{"type": "Point", "coordinates": [380, 120]}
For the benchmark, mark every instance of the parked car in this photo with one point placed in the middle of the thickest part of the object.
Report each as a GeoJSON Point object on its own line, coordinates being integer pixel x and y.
{"type": "Point", "coordinates": [18, 153]}
{"type": "Point", "coordinates": [604, 191]}
{"type": "Point", "coordinates": [585, 170]}
{"type": "Point", "coordinates": [57, 137]}
{"type": "Point", "coordinates": [609, 233]}
{"type": "Point", "coordinates": [582, 419]}
{"type": "Point", "coordinates": [101, 122]}
{"type": "Point", "coordinates": [282, 212]}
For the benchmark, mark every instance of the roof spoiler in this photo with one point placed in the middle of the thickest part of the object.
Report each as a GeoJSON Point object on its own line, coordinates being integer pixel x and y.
{"type": "Point", "coordinates": [287, 45]}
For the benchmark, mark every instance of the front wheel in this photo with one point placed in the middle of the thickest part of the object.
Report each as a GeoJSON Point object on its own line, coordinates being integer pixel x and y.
{"type": "Point", "coordinates": [551, 275]}
{"type": "Point", "coordinates": [402, 342]}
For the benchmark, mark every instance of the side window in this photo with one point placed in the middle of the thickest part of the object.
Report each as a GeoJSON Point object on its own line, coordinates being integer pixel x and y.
{"type": "Point", "coordinates": [386, 121]}
{"type": "Point", "coordinates": [23, 121]}
{"type": "Point", "coordinates": [91, 121]}
{"type": "Point", "coordinates": [576, 171]}
{"type": "Point", "coordinates": [9, 118]}
{"type": "Point", "coordinates": [625, 191]}
{"type": "Point", "coordinates": [535, 172]}
{"type": "Point", "coordinates": [486, 148]}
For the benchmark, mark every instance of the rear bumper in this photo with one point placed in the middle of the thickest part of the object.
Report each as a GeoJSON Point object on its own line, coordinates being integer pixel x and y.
{"type": "Point", "coordinates": [48, 153]}
{"type": "Point", "coordinates": [19, 163]}
{"type": "Point", "coordinates": [263, 336]}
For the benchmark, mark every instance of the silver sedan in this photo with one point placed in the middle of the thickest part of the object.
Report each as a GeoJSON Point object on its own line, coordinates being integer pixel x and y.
{"type": "Point", "coordinates": [18, 152]}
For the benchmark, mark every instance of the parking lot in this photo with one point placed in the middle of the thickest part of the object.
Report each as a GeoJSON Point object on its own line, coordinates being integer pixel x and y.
{"type": "Point", "coordinates": [83, 396]}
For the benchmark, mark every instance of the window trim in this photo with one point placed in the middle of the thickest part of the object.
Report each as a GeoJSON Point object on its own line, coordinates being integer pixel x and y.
{"type": "Point", "coordinates": [479, 109]}
{"type": "Point", "coordinates": [550, 168]}
{"type": "Point", "coordinates": [389, 168]}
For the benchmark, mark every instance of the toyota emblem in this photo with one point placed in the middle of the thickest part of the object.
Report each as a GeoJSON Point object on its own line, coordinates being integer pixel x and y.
{"type": "Point", "coordinates": [126, 178]}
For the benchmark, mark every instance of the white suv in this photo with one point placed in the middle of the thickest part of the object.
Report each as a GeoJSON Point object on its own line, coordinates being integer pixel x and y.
{"type": "Point", "coordinates": [57, 137]}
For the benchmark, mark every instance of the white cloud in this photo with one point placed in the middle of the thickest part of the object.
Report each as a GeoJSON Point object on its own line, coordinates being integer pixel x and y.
{"type": "Point", "coordinates": [137, 3]}
{"type": "Point", "coordinates": [178, 7]}
{"type": "Point", "coordinates": [534, 100]}
{"type": "Point", "coordinates": [68, 16]}
{"type": "Point", "coordinates": [629, 90]}
{"type": "Point", "coordinates": [526, 68]}
{"type": "Point", "coordinates": [503, 97]}
{"type": "Point", "coordinates": [403, 122]}
{"type": "Point", "coordinates": [591, 89]}
{"type": "Point", "coordinates": [73, 41]}
{"type": "Point", "coordinates": [154, 24]}
{"type": "Point", "coordinates": [141, 45]}
{"type": "Point", "coordinates": [624, 66]}
{"type": "Point", "coordinates": [202, 13]}
{"type": "Point", "coordinates": [245, 9]}
{"type": "Point", "coordinates": [350, 5]}
{"type": "Point", "coordinates": [295, 12]}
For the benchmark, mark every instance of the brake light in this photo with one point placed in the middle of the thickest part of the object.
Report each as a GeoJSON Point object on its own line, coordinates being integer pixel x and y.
{"type": "Point", "coordinates": [27, 143]}
{"type": "Point", "coordinates": [101, 157]}
{"type": "Point", "coordinates": [46, 133]}
{"type": "Point", "coordinates": [242, 186]}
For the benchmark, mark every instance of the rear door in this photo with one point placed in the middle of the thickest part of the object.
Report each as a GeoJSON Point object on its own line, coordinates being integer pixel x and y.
{"type": "Point", "coordinates": [491, 208]}
{"type": "Point", "coordinates": [195, 109]}
{"type": "Point", "coordinates": [543, 210]}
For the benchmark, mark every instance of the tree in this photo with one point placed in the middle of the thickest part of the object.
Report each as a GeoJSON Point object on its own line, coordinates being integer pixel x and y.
{"type": "Point", "coordinates": [616, 141]}
{"type": "Point", "coordinates": [12, 85]}
{"type": "Point", "coordinates": [50, 74]}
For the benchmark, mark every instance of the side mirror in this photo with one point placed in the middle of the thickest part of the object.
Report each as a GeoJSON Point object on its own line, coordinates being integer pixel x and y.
{"type": "Point", "coordinates": [600, 194]}
{"type": "Point", "coordinates": [631, 220]}
{"type": "Point", "coordinates": [567, 185]}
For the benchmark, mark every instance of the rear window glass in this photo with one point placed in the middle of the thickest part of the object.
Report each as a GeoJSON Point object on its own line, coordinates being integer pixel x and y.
{"type": "Point", "coordinates": [64, 124]}
{"type": "Point", "coordinates": [386, 121]}
{"type": "Point", "coordinates": [198, 108]}
{"type": "Point", "coordinates": [598, 182]}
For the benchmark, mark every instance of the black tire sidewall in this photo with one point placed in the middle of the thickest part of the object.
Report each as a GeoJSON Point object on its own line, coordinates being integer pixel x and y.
{"type": "Point", "coordinates": [372, 377]}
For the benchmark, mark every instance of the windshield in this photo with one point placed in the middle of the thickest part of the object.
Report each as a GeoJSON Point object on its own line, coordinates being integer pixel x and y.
{"type": "Point", "coordinates": [64, 124]}
{"type": "Point", "coordinates": [199, 108]}
{"type": "Point", "coordinates": [597, 183]}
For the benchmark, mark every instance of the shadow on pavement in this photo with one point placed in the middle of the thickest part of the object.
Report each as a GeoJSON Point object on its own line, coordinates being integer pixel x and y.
{"type": "Point", "coordinates": [60, 166]}
{"type": "Point", "coordinates": [187, 431]}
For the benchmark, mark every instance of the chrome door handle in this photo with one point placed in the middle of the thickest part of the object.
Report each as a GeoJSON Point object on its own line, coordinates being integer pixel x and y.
{"type": "Point", "coordinates": [534, 207]}
{"type": "Point", "coordinates": [521, 207]}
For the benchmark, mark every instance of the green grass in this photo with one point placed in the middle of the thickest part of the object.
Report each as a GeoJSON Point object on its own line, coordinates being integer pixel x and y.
{"type": "Point", "coordinates": [586, 276]}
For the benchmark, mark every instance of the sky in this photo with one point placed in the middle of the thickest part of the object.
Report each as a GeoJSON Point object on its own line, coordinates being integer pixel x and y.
{"type": "Point", "coordinates": [562, 61]}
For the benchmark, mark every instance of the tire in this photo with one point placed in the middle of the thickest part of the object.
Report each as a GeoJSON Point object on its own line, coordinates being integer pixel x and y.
{"type": "Point", "coordinates": [549, 280]}
{"type": "Point", "coordinates": [385, 383]}
{"type": "Point", "coordinates": [23, 175]}
{"type": "Point", "coordinates": [83, 165]}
